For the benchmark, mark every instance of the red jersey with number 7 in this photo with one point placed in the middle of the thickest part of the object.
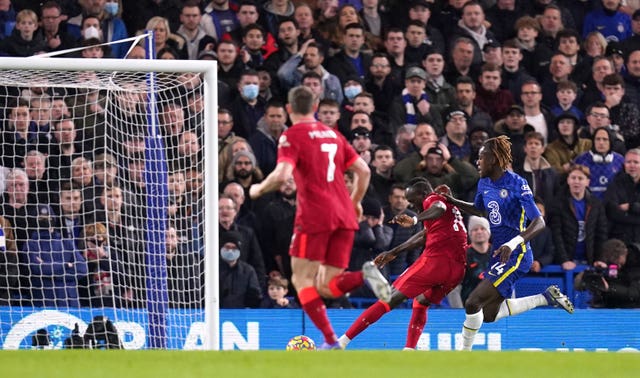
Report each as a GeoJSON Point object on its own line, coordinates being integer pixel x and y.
{"type": "Point", "coordinates": [320, 156]}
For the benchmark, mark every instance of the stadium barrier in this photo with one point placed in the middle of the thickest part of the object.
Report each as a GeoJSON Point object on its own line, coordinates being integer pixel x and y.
{"type": "Point", "coordinates": [540, 329]}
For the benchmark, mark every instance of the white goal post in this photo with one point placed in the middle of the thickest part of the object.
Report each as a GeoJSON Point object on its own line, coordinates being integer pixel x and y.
{"type": "Point", "coordinates": [24, 73]}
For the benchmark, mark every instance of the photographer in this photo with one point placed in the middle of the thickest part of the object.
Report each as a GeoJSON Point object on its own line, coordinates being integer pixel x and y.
{"type": "Point", "coordinates": [613, 282]}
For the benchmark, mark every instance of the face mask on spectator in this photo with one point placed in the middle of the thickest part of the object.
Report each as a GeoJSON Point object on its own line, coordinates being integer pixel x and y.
{"type": "Point", "coordinates": [250, 91]}
{"type": "Point", "coordinates": [91, 32]}
{"type": "Point", "coordinates": [352, 91]}
{"type": "Point", "coordinates": [229, 255]}
{"type": "Point", "coordinates": [111, 8]}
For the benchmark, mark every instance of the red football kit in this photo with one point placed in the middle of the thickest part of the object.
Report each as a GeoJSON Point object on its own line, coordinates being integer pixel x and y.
{"type": "Point", "coordinates": [325, 221]}
{"type": "Point", "coordinates": [441, 266]}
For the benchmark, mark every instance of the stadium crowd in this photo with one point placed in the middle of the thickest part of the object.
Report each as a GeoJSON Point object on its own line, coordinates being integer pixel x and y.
{"type": "Point", "coordinates": [416, 86]}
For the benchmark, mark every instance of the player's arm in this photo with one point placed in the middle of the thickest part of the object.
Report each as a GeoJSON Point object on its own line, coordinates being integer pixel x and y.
{"type": "Point", "coordinates": [434, 211]}
{"type": "Point", "coordinates": [362, 176]}
{"type": "Point", "coordinates": [465, 206]}
{"type": "Point", "coordinates": [534, 228]}
{"type": "Point", "coordinates": [415, 241]}
{"type": "Point", "coordinates": [273, 182]}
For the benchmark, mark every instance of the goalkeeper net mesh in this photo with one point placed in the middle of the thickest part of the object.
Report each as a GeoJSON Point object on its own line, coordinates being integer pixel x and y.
{"type": "Point", "coordinates": [102, 211]}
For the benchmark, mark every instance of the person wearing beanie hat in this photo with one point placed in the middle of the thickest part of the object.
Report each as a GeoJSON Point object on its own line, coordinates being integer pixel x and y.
{"type": "Point", "coordinates": [244, 169]}
{"type": "Point", "coordinates": [437, 271]}
{"type": "Point", "coordinates": [478, 257]}
{"type": "Point", "coordinates": [561, 152]}
{"type": "Point", "coordinates": [507, 201]}
{"type": "Point", "coordinates": [239, 286]}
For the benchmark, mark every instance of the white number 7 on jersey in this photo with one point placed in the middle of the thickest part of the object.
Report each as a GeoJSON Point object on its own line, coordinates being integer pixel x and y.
{"type": "Point", "coordinates": [330, 149]}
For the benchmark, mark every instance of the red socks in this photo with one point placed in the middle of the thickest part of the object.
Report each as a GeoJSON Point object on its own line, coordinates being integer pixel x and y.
{"type": "Point", "coordinates": [368, 317]}
{"type": "Point", "coordinates": [345, 282]}
{"type": "Point", "coordinates": [314, 307]}
{"type": "Point", "coordinates": [416, 325]}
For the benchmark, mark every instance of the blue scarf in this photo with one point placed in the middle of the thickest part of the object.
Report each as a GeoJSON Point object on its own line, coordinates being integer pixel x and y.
{"type": "Point", "coordinates": [407, 99]}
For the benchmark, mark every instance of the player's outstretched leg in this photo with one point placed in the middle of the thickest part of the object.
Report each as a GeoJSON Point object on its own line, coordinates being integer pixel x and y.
{"type": "Point", "coordinates": [550, 297]}
{"type": "Point", "coordinates": [368, 317]}
{"type": "Point", "coordinates": [376, 281]}
{"type": "Point", "coordinates": [556, 298]}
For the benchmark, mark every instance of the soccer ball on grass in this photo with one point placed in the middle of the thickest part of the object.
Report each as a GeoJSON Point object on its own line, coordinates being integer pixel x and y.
{"type": "Point", "coordinates": [301, 342]}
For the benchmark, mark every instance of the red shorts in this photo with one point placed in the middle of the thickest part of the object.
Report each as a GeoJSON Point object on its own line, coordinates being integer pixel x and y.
{"type": "Point", "coordinates": [434, 277]}
{"type": "Point", "coordinates": [330, 248]}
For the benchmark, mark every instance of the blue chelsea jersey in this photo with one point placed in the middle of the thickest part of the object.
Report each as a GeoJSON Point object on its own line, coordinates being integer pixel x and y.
{"type": "Point", "coordinates": [509, 205]}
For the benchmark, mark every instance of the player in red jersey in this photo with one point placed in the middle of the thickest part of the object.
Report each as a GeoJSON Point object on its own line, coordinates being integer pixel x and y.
{"type": "Point", "coordinates": [438, 270]}
{"type": "Point", "coordinates": [326, 216]}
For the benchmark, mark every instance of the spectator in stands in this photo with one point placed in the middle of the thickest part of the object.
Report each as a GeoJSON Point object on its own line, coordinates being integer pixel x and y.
{"type": "Point", "coordinates": [273, 12]}
{"type": "Point", "coordinates": [165, 38]}
{"type": "Point", "coordinates": [40, 109]}
{"type": "Point", "coordinates": [441, 93]}
{"type": "Point", "coordinates": [380, 83]}
{"type": "Point", "coordinates": [440, 167]}
{"type": "Point", "coordinates": [313, 81]}
{"type": "Point", "coordinates": [277, 289]}
{"type": "Point", "coordinates": [361, 142]}
{"type": "Point", "coordinates": [350, 60]}
{"type": "Point", "coordinates": [535, 56]}
{"type": "Point", "coordinates": [9, 272]}
{"type": "Point", "coordinates": [617, 287]}
{"type": "Point", "coordinates": [230, 64]}
{"type": "Point", "coordinates": [82, 176]}
{"type": "Point", "coordinates": [24, 41]}
{"type": "Point", "coordinates": [424, 137]}
{"type": "Point", "coordinates": [127, 241]}
{"type": "Point", "coordinates": [398, 204]}
{"type": "Point", "coordinates": [44, 189]}
{"type": "Point", "coordinates": [225, 138]}
{"type": "Point", "coordinates": [566, 94]}
{"type": "Point", "coordinates": [265, 141]}
{"type": "Point", "coordinates": [246, 14]}
{"type": "Point", "coordinates": [472, 26]}
{"type": "Point", "coordinates": [513, 72]}
{"type": "Point", "coordinates": [608, 20]}
{"type": "Point", "coordinates": [222, 13]}
{"type": "Point", "coordinates": [7, 19]}
{"type": "Point", "coordinates": [502, 16]}
{"type": "Point", "coordinates": [578, 221]}
{"type": "Point", "coordinates": [288, 45]}
{"type": "Point", "coordinates": [622, 200]}
{"type": "Point", "coordinates": [252, 50]}
{"type": "Point", "coordinates": [561, 152]}
{"type": "Point", "coordinates": [277, 226]}
{"type": "Point", "coordinates": [17, 139]}
{"type": "Point", "coordinates": [105, 279]}
{"type": "Point", "coordinates": [246, 216]}
{"type": "Point", "coordinates": [382, 173]}
{"type": "Point", "coordinates": [614, 52]}
{"type": "Point", "coordinates": [418, 44]}
{"type": "Point", "coordinates": [544, 251]}
{"type": "Point", "coordinates": [492, 53]}
{"type": "Point", "coordinates": [395, 45]}
{"type": "Point", "coordinates": [594, 44]}
{"type": "Point", "coordinates": [374, 21]}
{"type": "Point", "coordinates": [70, 222]}
{"type": "Point", "coordinates": [303, 15]}
{"type": "Point", "coordinates": [311, 55]}
{"type": "Point", "coordinates": [55, 264]}
{"type": "Point", "coordinates": [372, 237]}
{"type": "Point", "coordinates": [329, 113]}
{"type": "Point", "coordinates": [593, 88]}
{"type": "Point", "coordinates": [191, 28]}
{"type": "Point", "coordinates": [632, 43]}
{"type": "Point", "coordinates": [560, 69]}
{"type": "Point", "coordinates": [632, 77]}
{"type": "Point", "coordinates": [456, 138]}
{"type": "Point", "coordinates": [597, 117]}
{"type": "Point", "coordinates": [551, 22]}
{"type": "Point", "coordinates": [462, 58]}
{"type": "Point", "coordinates": [624, 114]}
{"type": "Point", "coordinates": [491, 98]}
{"type": "Point", "coordinates": [412, 105]}
{"type": "Point", "coordinates": [57, 38]}
{"type": "Point", "coordinates": [515, 126]}
{"type": "Point", "coordinates": [465, 101]}
{"type": "Point", "coordinates": [477, 136]}
{"type": "Point", "coordinates": [239, 286]}
{"type": "Point", "coordinates": [248, 107]}
{"type": "Point", "coordinates": [185, 273]}
{"type": "Point", "coordinates": [478, 256]}
{"type": "Point", "coordinates": [602, 162]}
{"type": "Point", "coordinates": [536, 114]}
{"type": "Point", "coordinates": [244, 169]}
{"type": "Point", "coordinates": [19, 207]}
{"type": "Point", "coordinates": [540, 175]}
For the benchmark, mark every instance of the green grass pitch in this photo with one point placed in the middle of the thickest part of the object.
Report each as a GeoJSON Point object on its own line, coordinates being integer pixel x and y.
{"type": "Point", "coordinates": [371, 364]}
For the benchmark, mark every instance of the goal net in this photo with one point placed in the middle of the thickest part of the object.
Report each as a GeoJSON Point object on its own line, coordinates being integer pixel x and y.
{"type": "Point", "coordinates": [103, 183]}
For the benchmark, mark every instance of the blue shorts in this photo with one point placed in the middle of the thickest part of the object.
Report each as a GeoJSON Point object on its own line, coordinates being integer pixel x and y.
{"type": "Point", "coordinates": [504, 276]}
